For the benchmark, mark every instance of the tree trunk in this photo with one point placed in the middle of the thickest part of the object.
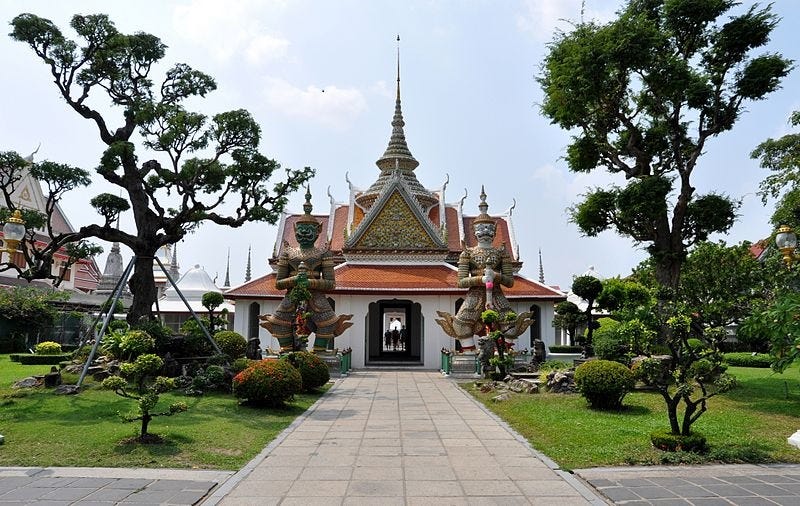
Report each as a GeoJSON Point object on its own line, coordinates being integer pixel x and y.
{"type": "Point", "coordinates": [686, 429]}
{"type": "Point", "coordinates": [143, 287]}
{"type": "Point", "coordinates": [672, 411]}
{"type": "Point", "coordinates": [145, 422]}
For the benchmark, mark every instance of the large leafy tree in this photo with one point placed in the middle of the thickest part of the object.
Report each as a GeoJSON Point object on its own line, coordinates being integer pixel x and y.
{"type": "Point", "coordinates": [643, 94]}
{"type": "Point", "coordinates": [782, 157]}
{"type": "Point", "coordinates": [721, 285]}
{"type": "Point", "coordinates": [209, 168]}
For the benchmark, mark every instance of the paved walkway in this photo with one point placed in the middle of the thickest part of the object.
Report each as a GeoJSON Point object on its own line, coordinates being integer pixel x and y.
{"type": "Point", "coordinates": [402, 437]}
{"type": "Point", "coordinates": [96, 486]}
{"type": "Point", "coordinates": [722, 485]}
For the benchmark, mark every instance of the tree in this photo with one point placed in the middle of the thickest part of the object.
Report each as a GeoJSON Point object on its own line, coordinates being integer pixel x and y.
{"type": "Point", "coordinates": [568, 317]}
{"type": "Point", "coordinates": [643, 94]}
{"type": "Point", "coordinates": [144, 367]}
{"type": "Point", "coordinates": [626, 299]}
{"type": "Point", "coordinates": [691, 375]}
{"type": "Point", "coordinates": [588, 288]}
{"type": "Point", "coordinates": [208, 165]}
{"type": "Point", "coordinates": [41, 241]}
{"type": "Point", "coordinates": [782, 157]}
{"type": "Point", "coordinates": [725, 294]}
{"type": "Point", "coordinates": [211, 301]}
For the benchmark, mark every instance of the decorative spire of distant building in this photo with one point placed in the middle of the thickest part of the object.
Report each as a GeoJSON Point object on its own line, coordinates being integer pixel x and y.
{"type": "Point", "coordinates": [247, 269]}
{"type": "Point", "coordinates": [541, 268]}
{"type": "Point", "coordinates": [112, 273]}
{"type": "Point", "coordinates": [227, 282]}
{"type": "Point", "coordinates": [173, 270]}
{"type": "Point", "coordinates": [113, 270]}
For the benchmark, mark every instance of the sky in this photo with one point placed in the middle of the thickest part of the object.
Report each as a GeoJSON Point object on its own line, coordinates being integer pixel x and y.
{"type": "Point", "coordinates": [319, 77]}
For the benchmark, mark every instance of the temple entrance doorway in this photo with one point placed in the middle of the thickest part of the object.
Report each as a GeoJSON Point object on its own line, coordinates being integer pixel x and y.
{"type": "Point", "coordinates": [394, 333]}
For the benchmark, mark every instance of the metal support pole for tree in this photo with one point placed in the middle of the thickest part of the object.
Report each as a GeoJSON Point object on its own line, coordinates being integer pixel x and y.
{"type": "Point", "coordinates": [106, 320]}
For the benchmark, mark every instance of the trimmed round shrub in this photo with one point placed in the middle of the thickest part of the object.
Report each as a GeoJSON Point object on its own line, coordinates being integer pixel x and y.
{"type": "Point", "coordinates": [136, 342]}
{"type": "Point", "coordinates": [268, 382]}
{"type": "Point", "coordinates": [741, 359]}
{"type": "Point", "coordinates": [312, 369]}
{"type": "Point", "coordinates": [604, 383]}
{"type": "Point", "coordinates": [47, 348]}
{"type": "Point", "coordinates": [667, 441]}
{"type": "Point", "coordinates": [160, 333]}
{"type": "Point", "coordinates": [231, 343]}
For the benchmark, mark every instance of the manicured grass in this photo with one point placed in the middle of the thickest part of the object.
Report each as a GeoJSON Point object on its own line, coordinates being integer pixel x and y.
{"type": "Point", "coordinates": [43, 429]}
{"type": "Point", "coordinates": [749, 424]}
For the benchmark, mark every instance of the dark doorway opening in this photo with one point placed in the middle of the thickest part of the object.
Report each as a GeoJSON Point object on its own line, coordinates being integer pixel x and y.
{"type": "Point", "coordinates": [394, 332]}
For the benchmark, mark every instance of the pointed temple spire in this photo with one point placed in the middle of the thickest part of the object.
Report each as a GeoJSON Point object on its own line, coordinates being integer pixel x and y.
{"type": "Point", "coordinates": [397, 152]}
{"type": "Point", "coordinates": [397, 158]}
{"type": "Point", "coordinates": [247, 269]}
{"type": "Point", "coordinates": [541, 268]}
{"type": "Point", "coordinates": [227, 283]}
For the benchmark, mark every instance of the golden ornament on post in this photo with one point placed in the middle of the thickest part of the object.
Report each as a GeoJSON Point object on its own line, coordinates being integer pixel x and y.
{"type": "Point", "coordinates": [786, 240]}
{"type": "Point", "coordinates": [13, 232]}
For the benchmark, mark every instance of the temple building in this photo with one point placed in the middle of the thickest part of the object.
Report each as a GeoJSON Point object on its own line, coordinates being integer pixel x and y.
{"type": "Point", "coordinates": [396, 245]}
{"type": "Point", "coordinates": [81, 277]}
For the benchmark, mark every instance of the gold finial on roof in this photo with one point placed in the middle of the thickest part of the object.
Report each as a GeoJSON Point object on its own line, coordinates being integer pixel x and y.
{"type": "Point", "coordinates": [483, 217]}
{"type": "Point", "coordinates": [307, 207]}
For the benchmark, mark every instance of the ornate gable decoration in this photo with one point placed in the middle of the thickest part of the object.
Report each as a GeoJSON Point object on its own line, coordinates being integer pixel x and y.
{"type": "Point", "coordinates": [396, 222]}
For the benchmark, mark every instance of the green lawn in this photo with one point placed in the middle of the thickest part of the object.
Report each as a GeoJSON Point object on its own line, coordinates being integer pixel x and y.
{"type": "Point", "coordinates": [42, 429]}
{"type": "Point", "coordinates": [749, 424]}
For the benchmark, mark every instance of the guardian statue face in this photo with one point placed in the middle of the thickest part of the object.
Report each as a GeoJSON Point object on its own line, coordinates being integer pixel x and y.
{"type": "Point", "coordinates": [306, 234]}
{"type": "Point", "coordinates": [484, 232]}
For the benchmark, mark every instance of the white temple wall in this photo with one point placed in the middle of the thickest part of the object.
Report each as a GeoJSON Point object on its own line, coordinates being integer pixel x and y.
{"type": "Point", "coordinates": [433, 339]}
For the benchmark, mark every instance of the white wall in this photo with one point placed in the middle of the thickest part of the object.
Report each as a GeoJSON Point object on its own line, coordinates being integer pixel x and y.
{"type": "Point", "coordinates": [433, 338]}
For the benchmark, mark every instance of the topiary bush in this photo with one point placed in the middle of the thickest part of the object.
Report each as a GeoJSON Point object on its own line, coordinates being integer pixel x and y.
{"type": "Point", "coordinates": [313, 370]}
{"type": "Point", "coordinates": [231, 343]}
{"type": "Point", "coordinates": [268, 382]}
{"type": "Point", "coordinates": [748, 359]}
{"type": "Point", "coordinates": [604, 383]}
{"type": "Point", "coordinates": [161, 334]}
{"type": "Point", "coordinates": [667, 441]}
{"type": "Point", "coordinates": [47, 348]}
{"type": "Point", "coordinates": [135, 343]}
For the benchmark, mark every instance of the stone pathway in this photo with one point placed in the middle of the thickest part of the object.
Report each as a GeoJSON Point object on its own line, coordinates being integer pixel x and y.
{"type": "Point", "coordinates": [722, 485]}
{"type": "Point", "coordinates": [400, 437]}
{"type": "Point", "coordinates": [98, 486]}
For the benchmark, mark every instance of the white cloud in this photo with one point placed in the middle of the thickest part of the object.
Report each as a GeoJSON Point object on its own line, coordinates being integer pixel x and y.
{"type": "Point", "coordinates": [329, 106]}
{"type": "Point", "coordinates": [542, 18]}
{"type": "Point", "coordinates": [228, 29]}
{"type": "Point", "coordinates": [382, 89]}
{"type": "Point", "coordinates": [266, 47]}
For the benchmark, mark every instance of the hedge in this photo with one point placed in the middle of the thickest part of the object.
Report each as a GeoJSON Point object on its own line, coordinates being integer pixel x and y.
{"type": "Point", "coordinates": [748, 359]}
{"type": "Point", "coordinates": [27, 359]}
{"type": "Point", "coordinates": [565, 349]}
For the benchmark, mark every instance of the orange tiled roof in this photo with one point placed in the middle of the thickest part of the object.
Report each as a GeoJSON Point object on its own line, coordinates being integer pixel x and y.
{"type": "Point", "coordinates": [352, 279]}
